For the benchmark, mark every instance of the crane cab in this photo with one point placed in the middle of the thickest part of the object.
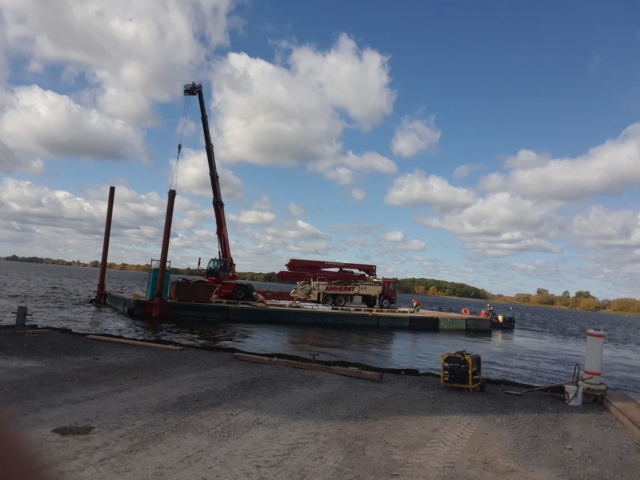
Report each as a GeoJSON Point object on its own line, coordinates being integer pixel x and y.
{"type": "Point", "coordinates": [219, 268]}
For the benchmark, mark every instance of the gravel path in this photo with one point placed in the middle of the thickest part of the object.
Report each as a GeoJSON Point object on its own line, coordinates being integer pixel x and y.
{"type": "Point", "coordinates": [193, 414]}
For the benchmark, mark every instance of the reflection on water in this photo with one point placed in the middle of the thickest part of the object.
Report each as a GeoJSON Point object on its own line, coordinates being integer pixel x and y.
{"type": "Point", "coordinates": [544, 348]}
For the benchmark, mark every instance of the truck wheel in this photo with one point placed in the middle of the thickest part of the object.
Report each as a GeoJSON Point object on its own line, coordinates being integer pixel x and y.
{"type": "Point", "coordinates": [370, 302]}
{"type": "Point", "coordinates": [385, 302]}
{"type": "Point", "coordinates": [340, 301]}
{"type": "Point", "coordinates": [327, 300]}
{"type": "Point", "coordinates": [240, 293]}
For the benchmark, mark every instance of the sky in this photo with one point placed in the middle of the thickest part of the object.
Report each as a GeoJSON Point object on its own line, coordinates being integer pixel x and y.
{"type": "Point", "coordinates": [490, 143]}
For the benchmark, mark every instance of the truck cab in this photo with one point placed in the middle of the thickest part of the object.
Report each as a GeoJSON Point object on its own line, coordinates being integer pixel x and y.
{"type": "Point", "coordinates": [389, 294]}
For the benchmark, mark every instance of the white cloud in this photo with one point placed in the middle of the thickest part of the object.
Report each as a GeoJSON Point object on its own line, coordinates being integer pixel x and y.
{"type": "Point", "coordinates": [395, 236]}
{"type": "Point", "coordinates": [10, 162]}
{"type": "Point", "coordinates": [351, 79]}
{"type": "Point", "coordinates": [527, 159]}
{"type": "Point", "coordinates": [317, 247]}
{"type": "Point", "coordinates": [402, 246]}
{"type": "Point", "coordinates": [541, 268]}
{"type": "Point", "coordinates": [296, 210]}
{"type": "Point", "coordinates": [340, 167]}
{"type": "Point", "coordinates": [262, 203]}
{"type": "Point", "coordinates": [295, 112]}
{"type": "Point", "coordinates": [42, 123]}
{"type": "Point", "coordinates": [358, 242]}
{"type": "Point", "coordinates": [501, 224]}
{"type": "Point", "coordinates": [132, 53]}
{"type": "Point", "coordinates": [36, 220]}
{"type": "Point", "coordinates": [601, 227]}
{"type": "Point", "coordinates": [465, 170]}
{"type": "Point", "coordinates": [411, 246]}
{"type": "Point", "coordinates": [357, 228]}
{"type": "Point", "coordinates": [358, 195]}
{"type": "Point", "coordinates": [296, 229]}
{"type": "Point", "coordinates": [610, 168]}
{"type": "Point", "coordinates": [254, 217]}
{"type": "Point", "coordinates": [193, 176]}
{"type": "Point", "coordinates": [416, 189]}
{"type": "Point", "coordinates": [188, 125]}
{"type": "Point", "coordinates": [413, 136]}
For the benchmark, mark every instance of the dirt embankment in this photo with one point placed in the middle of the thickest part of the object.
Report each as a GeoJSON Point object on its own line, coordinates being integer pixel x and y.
{"type": "Point", "coordinates": [97, 410]}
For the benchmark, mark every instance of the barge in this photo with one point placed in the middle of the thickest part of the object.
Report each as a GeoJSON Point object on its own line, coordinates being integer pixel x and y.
{"type": "Point", "coordinates": [294, 313]}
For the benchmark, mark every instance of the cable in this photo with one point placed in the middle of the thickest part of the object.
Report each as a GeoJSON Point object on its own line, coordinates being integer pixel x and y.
{"type": "Point", "coordinates": [183, 125]}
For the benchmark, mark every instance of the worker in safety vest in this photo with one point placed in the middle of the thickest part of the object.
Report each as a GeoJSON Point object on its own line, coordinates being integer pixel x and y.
{"type": "Point", "coordinates": [416, 305]}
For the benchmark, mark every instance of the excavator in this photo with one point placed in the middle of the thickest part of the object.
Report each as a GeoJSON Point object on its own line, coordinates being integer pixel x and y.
{"type": "Point", "coordinates": [222, 270]}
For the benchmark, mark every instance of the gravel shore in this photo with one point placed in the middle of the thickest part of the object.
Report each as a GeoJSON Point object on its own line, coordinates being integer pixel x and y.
{"type": "Point", "coordinates": [99, 410]}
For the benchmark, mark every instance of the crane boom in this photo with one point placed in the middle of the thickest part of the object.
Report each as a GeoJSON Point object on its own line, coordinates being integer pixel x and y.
{"type": "Point", "coordinates": [224, 269]}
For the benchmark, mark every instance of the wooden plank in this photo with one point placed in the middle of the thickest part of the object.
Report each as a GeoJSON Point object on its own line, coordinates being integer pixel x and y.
{"type": "Point", "coordinates": [626, 410]}
{"type": "Point", "coordinates": [133, 342]}
{"type": "Point", "coordinates": [310, 366]}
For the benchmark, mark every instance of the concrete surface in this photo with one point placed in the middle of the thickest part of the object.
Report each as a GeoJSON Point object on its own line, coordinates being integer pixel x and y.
{"type": "Point", "coordinates": [99, 410]}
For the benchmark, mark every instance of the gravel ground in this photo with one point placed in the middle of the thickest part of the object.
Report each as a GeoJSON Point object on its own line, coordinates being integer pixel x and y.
{"type": "Point", "coordinates": [98, 410]}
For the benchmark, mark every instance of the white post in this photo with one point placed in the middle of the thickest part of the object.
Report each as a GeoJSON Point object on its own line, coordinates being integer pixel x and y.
{"type": "Point", "coordinates": [593, 364]}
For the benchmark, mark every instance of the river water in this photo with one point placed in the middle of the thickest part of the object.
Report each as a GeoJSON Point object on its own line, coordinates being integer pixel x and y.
{"type": "Point", "coordinates": [543, 349]}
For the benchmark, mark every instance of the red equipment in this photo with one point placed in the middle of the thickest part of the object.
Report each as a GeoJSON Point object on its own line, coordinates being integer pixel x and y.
{"type": "Point", "coordinates": [336, 283]}
{"type": "Point", "coordinates": [221, 270]}
{"type": "Point", "coordinates": [306, 270]}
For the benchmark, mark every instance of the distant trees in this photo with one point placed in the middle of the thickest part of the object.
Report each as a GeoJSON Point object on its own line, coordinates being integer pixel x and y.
{"type": "Point", "coordinates": [583, 294]}
{"type": "Point", "coordinates": [543, 299]}
{"type": "Point", "coordinates": [542, 291]}
{"type": "Point", "coordinates": [523, 297]}
{"type": "Point", "coordinates": [442, 288]}
{"type": "Point", "coordinates": [566, 294]}
{"type": "Point", "coordinates": [588, 304]}
{"type": "Point", "coordinates": [259, 277]}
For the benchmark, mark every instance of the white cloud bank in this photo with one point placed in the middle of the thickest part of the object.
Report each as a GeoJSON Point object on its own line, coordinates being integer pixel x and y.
{"type": "Point", "coordinates": [254, 217]}
{"type": "Point", "coordinates": [132, 53]}
{"type": "Point", "coordinates": [37, 220]}
{"type": "Point", "coordinates": [416, 188]}
{"type": "Point", "coordinates": [193, 176]}
{"type": "Point", "coordinates": [610, 168]}
{"type": "Point", "coordinates": [295, 112]}
{"type": "Point", "coordinates": [501, 224]}
{"type": "Point", "coordinates": [41, 123]}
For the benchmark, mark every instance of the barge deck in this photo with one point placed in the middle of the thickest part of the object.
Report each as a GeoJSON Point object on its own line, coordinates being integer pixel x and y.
{"type": "Point", "coordinates": [229, 311]}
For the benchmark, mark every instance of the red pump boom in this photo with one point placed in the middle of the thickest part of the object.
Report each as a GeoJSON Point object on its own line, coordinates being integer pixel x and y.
{"type": "Point", "coordinates": [306, 270]}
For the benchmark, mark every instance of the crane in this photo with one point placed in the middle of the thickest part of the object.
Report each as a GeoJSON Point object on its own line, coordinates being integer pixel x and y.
{"type": "Point", "coordinates": [221, 270]}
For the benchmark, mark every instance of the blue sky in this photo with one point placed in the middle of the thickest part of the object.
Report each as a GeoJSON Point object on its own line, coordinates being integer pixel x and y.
{"type": "Point", "coordinates": [489, 143]}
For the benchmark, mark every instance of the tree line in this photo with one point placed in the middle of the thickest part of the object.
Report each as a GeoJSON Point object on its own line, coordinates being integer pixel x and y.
{"type": "Point", "coordinates": [193, 272]}
{"type": "Point", "coordinates": [430, 286]}
{"type": "Point", "coordinates": [581, 300]}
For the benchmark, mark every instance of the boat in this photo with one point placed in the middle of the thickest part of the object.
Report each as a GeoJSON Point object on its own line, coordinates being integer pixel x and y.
{"type": "Point", "coordinates": [498, 322]}
{"type": "Point", "coordinates": [502, 322]}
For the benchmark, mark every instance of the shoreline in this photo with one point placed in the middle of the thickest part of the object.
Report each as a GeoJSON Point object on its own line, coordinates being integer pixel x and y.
{"type": "Point", "coordinates": [124, 411]}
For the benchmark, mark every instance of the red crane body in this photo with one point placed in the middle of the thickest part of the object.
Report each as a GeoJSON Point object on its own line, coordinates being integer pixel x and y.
{"type": "Point", "coordinates": [221, 270]}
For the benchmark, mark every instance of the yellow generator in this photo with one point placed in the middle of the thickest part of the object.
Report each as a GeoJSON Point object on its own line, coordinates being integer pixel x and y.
{"type": "Point", "coordinates": [462, 370]}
